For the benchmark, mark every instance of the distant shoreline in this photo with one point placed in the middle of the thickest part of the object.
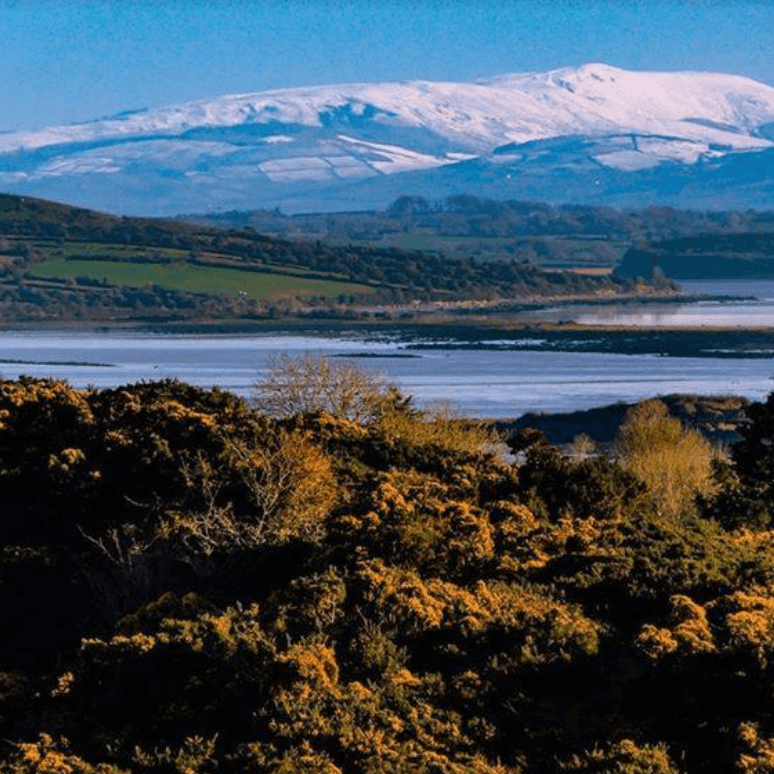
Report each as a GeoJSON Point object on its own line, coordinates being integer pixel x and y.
{"type": "Point", "coordinates": [467, 332]}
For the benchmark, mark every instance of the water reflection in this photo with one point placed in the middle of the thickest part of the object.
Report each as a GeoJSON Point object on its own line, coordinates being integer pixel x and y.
{"type": "Point", "coordinates": [739, 304]}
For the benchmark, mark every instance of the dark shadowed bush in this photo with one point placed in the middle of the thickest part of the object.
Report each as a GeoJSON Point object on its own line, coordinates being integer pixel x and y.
{"type": "Point", "coordinates": [190, 587]}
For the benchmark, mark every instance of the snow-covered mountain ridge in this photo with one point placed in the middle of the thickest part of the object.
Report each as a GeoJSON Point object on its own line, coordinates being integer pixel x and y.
{"type": "Point", "coordinates": [348, 142]}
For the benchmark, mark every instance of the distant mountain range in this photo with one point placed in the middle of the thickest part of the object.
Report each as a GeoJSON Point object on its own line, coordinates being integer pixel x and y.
{"type": "Point", "coordinates": [594, 134]}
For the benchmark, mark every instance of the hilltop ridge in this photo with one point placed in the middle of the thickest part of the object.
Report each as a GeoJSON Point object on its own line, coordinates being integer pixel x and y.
{"type": "Point", "coordinates": [595, 133]}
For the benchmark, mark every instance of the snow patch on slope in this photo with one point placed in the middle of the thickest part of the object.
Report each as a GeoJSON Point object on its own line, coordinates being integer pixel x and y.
{"type": "Point", "coordinates": [592, 99]}
{"type": "Point", "coordinates": [595, 116]}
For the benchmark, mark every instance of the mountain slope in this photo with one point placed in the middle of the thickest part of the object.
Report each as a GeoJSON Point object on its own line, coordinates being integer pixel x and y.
{"type": "Point", "coordinates": [595, 133]}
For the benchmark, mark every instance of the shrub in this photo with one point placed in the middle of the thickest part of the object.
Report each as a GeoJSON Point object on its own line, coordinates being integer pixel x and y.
{"type": "Point", "coordinates": [554, 486]}
{"type": "Point", "coordinates": [315, 384]}
{"type": "Point", "coordinates": [624, 757]}
{"type": "Point", "coordinates": [442, 426]}
{"type": "Point", "coordinates": [675, 463]}
{"type": "Point", "coordinates": [286, 485]}
{"type": "Point", "coordinates": [313, 594]}
{"type": "Point", "coordinates": [746, 492]}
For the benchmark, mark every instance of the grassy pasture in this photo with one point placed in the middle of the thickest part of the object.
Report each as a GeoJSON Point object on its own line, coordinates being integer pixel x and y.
{"type": "Point", "coordinates": [121, 252]}
{"type": "Point", "coordinates": [197, 279]}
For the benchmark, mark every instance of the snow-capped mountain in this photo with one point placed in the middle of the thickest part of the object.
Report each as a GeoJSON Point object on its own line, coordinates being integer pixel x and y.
{"type": "Point", "coordinates": [593, 134]}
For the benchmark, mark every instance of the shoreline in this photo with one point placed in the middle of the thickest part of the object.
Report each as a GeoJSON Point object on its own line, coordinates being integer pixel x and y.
{"type": "Point", "coordinates": [454, 334]}
{"type": "Point", "coordinates": [496, 314]}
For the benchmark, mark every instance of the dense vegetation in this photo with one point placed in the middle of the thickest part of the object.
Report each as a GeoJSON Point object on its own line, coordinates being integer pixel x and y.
{"type": "Point", "coordinates": [724, 256]}
{"type": "Point", "coordinates": [59, 262]}
{"type": "Point", "coordinates": [192, 584]}
{"type": "Point", "coordinates": [718, 418]}
{"type": "Point", "coordinates": [465, 215]}
{"type": "Point", "coordinates": [683, 244]}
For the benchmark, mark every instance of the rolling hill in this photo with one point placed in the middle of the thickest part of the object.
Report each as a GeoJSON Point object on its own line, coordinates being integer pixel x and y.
{"type": "Point", "coordinates": [593, 134]}
{"type": "Point", "coordinates": [61, 263]}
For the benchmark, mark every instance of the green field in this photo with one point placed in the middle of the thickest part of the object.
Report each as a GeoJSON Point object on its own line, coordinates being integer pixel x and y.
{"type": "Point", "coordinates": [197, 279]}
{"type": "Point", "coordinates": [93, 251]}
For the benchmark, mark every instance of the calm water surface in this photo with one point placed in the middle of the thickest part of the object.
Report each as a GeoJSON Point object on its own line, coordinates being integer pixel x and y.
{"type": "Point", "coordinates": [746, 304]}
{"type": "Point", "coordinates": [479, 382]}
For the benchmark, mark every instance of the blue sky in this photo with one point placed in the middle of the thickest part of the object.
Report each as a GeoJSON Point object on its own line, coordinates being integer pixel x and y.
{"type": "Point", "coordinates": [73, 60]}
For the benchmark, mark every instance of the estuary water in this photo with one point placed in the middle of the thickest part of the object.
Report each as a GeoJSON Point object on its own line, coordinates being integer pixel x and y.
{"type": "Point", "coordinates": [490, 377]}
{"type": "Point", "coordinates": [480, 382]}
{"type": "Point", "coordinates": [730, 304]}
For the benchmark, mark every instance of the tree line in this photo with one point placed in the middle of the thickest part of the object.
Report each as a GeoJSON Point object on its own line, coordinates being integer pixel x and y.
{"type": "Point", "coordinates": [466, 215]}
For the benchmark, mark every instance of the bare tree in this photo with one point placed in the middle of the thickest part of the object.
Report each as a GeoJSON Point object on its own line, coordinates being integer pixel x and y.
{"type": "Point", "coordinates": [314, 383]}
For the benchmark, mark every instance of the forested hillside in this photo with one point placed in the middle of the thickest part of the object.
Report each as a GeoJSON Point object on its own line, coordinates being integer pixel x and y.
{"type": "Point", "coordinates": [725, 256]}
{"type": "Point", "coordinates": [683, 244]}
{"type": "Point", "coordinates": [329, 581]}
{"type": "Point", "coordinates": [60, 263]}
